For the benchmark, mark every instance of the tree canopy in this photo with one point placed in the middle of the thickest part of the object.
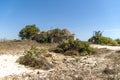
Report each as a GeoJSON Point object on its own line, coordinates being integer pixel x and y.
{"type": "Point", "coordinates": [28, 32]}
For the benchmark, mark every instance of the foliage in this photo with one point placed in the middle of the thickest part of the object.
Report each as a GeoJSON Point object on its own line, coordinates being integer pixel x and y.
{"type": "Point", "coordinates": [54, 35]}
{"type": "Point", "coordinates": [59, 32]}
{"type": "Point", "coordinates": [35, 58]}
{"type": "Point", "coordinates": [96, 37]}
{"type": "Point", "coordinates": [99, 39]}
{"type": "Point", "coordinates": [28, 32]}
{"type": "Point", "coordinates": [58, 50]}
{"type": "Point", "coordinates": [73, 47]}
{"type": "Point", "coordinates": [118, 41]}
{"type": "Point", "coordinates": [106, 40]}
{"type": "Point", "coordinates": [44, 38]}
{"type": "Point", "coordinates": [56, 32]}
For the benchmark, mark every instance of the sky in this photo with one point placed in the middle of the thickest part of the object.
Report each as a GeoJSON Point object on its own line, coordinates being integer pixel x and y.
{"type": "Point", "coordinates": [81, 17]}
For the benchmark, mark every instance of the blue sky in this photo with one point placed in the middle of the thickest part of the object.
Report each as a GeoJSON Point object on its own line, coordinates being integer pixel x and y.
{"type": "Point", "coordinates": [81, 17]}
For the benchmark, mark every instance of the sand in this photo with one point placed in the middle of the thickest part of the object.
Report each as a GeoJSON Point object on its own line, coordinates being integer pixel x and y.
{"type": "Point", "coordinates": [9, 66]}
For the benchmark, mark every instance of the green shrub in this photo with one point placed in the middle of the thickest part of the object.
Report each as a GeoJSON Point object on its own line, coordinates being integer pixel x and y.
{"type": "Point", "coordinates": [106, 40]}
{"type": "Point", "coordinates": [58, 50]}
{"type": "Point", "coordinates": [70, 46]}
{"type": "Point", "coordinates": [99, 39]}
{"type": "Point", "coordinates": [118, 41]}
{"type": "Point", "coordinates": [44, 38]}
{"type": "Point", "coordinates": [35, 58]}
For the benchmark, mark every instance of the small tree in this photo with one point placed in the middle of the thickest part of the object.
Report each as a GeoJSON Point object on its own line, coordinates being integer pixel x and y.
{"type": "Point", "coordinates": [97, 38]}
{"type": "Point", "coordinates": [28, 32]}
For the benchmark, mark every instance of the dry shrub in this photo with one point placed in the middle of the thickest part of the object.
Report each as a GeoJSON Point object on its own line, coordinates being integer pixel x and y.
{"type": "Point", "coordinates": [35, 58]}
{"type": "Point", "coordinates": [73, 46]}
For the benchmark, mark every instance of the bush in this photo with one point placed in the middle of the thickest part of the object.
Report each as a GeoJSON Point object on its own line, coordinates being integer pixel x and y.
{"type": "Point", "coordinates": [58, 50]}
{"type": "Point", "coordinates": [73, 46]}
{"type": "Point", "coordinates": [102, 40]}
{"type": "Point", "coordinates": [118, 41]}
{"type": "Point", "coordinates": [35, 58]}
{"type": "Point", "coordinates": [106, 40]}
{"type": "Point", "coordinates": [44, 38]}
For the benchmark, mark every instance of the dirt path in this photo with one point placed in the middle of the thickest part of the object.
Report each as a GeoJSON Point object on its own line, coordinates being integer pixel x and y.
{"type": "Point", "coordinates": [115, 48]}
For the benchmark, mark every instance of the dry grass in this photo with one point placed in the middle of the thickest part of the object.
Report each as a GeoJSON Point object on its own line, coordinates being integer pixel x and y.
{"type": "Point", "coordinates": [18, 47]}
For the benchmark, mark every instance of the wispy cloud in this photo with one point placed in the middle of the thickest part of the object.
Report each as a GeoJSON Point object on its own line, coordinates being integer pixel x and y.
{"type": "Point", "coordinates": [112, 30]}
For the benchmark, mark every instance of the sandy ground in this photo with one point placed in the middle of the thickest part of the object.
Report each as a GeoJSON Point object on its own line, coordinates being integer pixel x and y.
{"type": "Point", "coordinates": [9, 66]}
{"type": "Point", "coordinates": [106, 47]}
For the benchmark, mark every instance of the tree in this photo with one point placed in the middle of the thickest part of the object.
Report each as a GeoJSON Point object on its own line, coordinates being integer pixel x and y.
{"type": "Point", "coordinates": [97, 38]}
{"type": "Point", "coordinates": [28, 32]}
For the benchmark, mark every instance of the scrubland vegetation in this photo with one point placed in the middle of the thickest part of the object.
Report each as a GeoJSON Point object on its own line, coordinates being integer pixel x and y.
{"type": "Point", "coordinates": [66, 46]}
{"type": "Point", "coordinates": [67, 59]}
{"type": "Point", "coordinates": [35, 58]}
{"type": "Point", "coordinates": [74, 47]}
